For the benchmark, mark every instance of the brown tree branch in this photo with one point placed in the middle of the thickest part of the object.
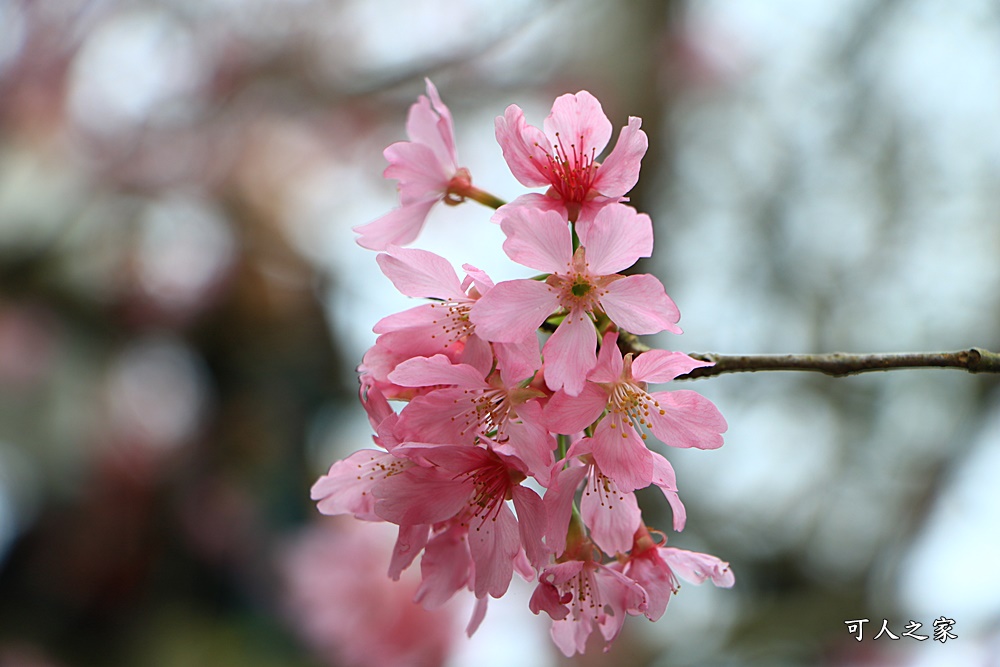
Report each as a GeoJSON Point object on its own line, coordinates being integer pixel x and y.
{"type": "Point", "coordinates": [837, 364]}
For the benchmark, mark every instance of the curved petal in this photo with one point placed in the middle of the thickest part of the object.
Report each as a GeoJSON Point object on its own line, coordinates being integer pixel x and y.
{"type": "Point", "coordinates": [409, 541]}
{"type": "Point", "coordinates": [419, 496]}
{"type": "Point", "coordinates": [578, 121]}
{"type": "Point", "coordinates": [418, 171]}
{"type": "Point", "coordinates": [445, 416]}
{"type": "Point", "coordinates": [686, 419]}
{"type": "Point", "coordinates": [569, 353]}
{"type": "Point", "coordinates": [439, 369]}
{"type": "Point", "coordinates": [640, 305]}
{"type": "Point", "coordinates": [346, 488]}
{"type": "Point", "coordinates": [518, 361]}
{"type": "Point", "coordinates": [530, 524]}
{"type": "Point", "coordinates": [535, 200]}
{"type": "Point", "coordinates": [512, 311]}
{"type": "Point", "coordinates": [522, 147]}
{"type": "Point", "coordinates": [558, 503]}
{"type": "Point", "coordinates": [616, 239]}
{"type": "Point", "coordinates": [429, 123]}
{"type": "Point", "coordinates": [613, 516]}
{"type": "Point", "coordinates": [571, 414]}
{"type": "Point", "coordinates": [665, 479]}
{"type": "Point", "coordinates": [663, 366]}
{"type": "Point", "coordinates": [538, 239]}
{"type": "Point", "coordinates": [397, 227]}
{"type": "Point", "coordinates": [445, 568]}
{"type": "Point", "coordinates": [494, 543]}
{"type": "Point", "coordinates": [697, 567]}
{"type": "Point", "coordinates": [609, 360]}
{"type": "Point", "coordinates": [531, 442]}
{"type": "Point", "coordinates": [620, 170]}
{"type": "Point", "coordinates": [622, 455]}
{"type": "Point", "coordinates": [421, 274]}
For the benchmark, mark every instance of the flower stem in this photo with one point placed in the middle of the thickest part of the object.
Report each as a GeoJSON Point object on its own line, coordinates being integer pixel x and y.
{"type": "Point", "coordinates": [484, 198]}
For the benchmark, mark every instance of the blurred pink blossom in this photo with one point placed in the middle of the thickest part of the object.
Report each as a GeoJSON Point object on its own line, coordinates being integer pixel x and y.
{"type": "Point", "coordinates": [340, 601]}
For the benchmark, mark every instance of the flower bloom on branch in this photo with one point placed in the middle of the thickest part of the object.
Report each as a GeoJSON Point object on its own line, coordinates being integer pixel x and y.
{"type": "Point", "coordinates": [583, 284]}
{"type": "Point", "coordinates": [509, 455]}
{"type": "Point", "coordinates": [617, 389]}
{"type": "Point", "coordinates": [427, 169]}
{"type": "Point", "coordinates": [563, 155]}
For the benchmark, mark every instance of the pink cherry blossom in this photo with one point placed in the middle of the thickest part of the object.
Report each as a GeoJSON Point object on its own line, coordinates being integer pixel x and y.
{"type": "Point", "coordinates": [469, 485]}
{"type": "Point", "coordinates": [582, 283]}
{"type": "Point", "coordinates": [611, 515]}
{"type": "Point", "coordinates": [618, 385]}
{"type": "Point", "coordinates": [427, 169]}
{"type": "Point", "coordinates": [339, 600]}
{"type": "Point", "coordinates": [468, 408]}
{"type": "Point", "coordinates": [656, 569]}
{"type": "Point", "coordinates": [440, 327]}
{"type": "Point", "coordinates": [579, 594]}
{"type": "Point", "coordinates": [564, 155]}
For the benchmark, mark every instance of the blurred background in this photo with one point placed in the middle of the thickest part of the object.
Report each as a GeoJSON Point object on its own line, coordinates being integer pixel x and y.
{"type": "Point", "coordinates": [182, 306]}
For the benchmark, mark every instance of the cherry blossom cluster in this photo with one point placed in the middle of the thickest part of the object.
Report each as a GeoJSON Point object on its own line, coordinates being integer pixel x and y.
{"type": "Point", "coordinates": [522, 436]}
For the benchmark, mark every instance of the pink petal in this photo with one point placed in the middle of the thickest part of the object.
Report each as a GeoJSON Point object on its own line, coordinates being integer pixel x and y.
{"type": "Point", "coordinates": [397, 227]}
{"type": "Point", "coordinates": [419, 316]}
{"type": "Point", "coordinates": [445, 416]}
{"type": "Point", "coordinates": [429, 371]}
{"type": "Point", "coordinates": [613, 516]}
{"type": "Point", "coordinates": [445, 568]}
{"type": "Point", "coordinates": [616, 239]}
{"type": "Point", "coordinates": [522, 147]}
{"type": "Point", "coordinates": [697, 567]}
{"type": "Point", "coordinates": [538, 239]}
{"type": "Point", "coordinates": [347, 487]}
{"type": "Point", "coordinates": [620, 170]}
{"type": "Point", "coordinates": [409, 541]}
{"type": "Point", "coordinates": [622, 455]}
{"type": "Point", "coordinates": [478, 354]}
{"type": "Point", "coordinates": [623, 595]}
{"type": "Point", "coordinates": [493, 543]}
{"type": "Point", "coordinates": [535, 200]}
{"type": "Point", "coordinates": [663, 366]}
{"type": "Point", "coordinates": [547, 598]}
{"type": "Point", "coordinates": [578, 120]}
{"type": "Point", "coordinates": [478, 614]}
{"type": "Point", "coordinates": [418, 170]}
{"type": "Point", "coordinates": [532, 443]}
{"type": "Point", "coordinates": [571, 414]}
{"type": "Point", "coordinates": [518, 361]}
{"type": "Point", "coordinates": [558, 503]}
{"type": "Point", "coordinates": [482, 281]}
{"type": "Point", "coordinates": [570, 635]}
{"type": "Point", "coordinates": [419, 496]}
{"type": "Point", "coordinates": [640, 305]}
{"type": "Point", "coordinates": [656, 578]}
{"type": "Point", "coordinates": [429, 123]}
{"type": "Point", "coordinates": [569, 353]}
{"type": "Point", "coordinates": [609, 360]}
{"type": "Point", "coordinates": [512, 311]}
{"type": "Point", "coordinates": [531, 524]}
{"type": "Point", "coordinates": [421, 274]}
{"type": "Point", "coordinates": [665, 479]}
{"type": "Point", "coordinates": [686, 419]}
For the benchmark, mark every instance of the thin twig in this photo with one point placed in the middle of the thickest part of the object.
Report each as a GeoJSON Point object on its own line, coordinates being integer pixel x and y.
{"type": "Point", "coordinates": [837, 364]}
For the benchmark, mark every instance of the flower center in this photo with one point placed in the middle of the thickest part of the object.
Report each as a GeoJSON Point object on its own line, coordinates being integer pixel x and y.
{"type": "Point", "coordinates": [454, 321]}
{"type": "Point", "coordinates": [571, 169]}
{"type": "Point", "coordinates": [631, 405]}
{"type": "Point", "coordinates": [488, 413]}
